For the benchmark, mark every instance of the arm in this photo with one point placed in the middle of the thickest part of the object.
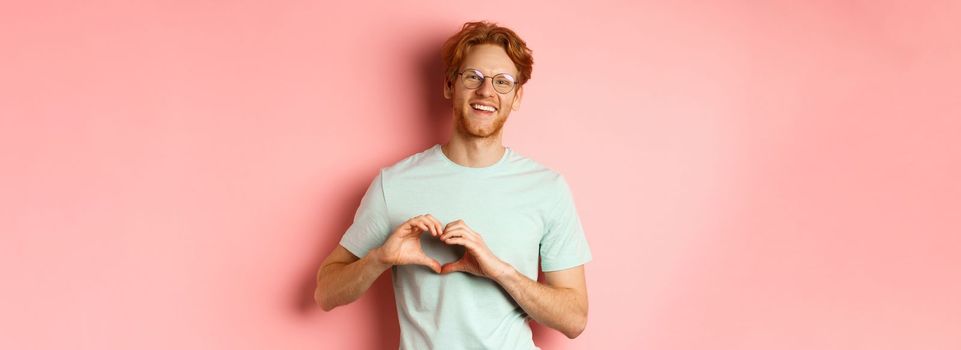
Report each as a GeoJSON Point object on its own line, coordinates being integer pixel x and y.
{"type": "Point", "coordinates": [561, 303]}
{"type": "Point", "coordinates": [343, 277]}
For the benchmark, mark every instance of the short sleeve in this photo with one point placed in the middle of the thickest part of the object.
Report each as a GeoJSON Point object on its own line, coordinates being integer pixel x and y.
{"type": "Point", "coordinates": [563, 245]}
{"type": "Point", "coordinates": [371, 224]}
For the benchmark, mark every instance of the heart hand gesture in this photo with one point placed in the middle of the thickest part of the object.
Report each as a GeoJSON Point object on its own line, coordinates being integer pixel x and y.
{"type": "Point", "coordinates": [402, 247]}
{"type": "Point", "coordinates": [478, 259]}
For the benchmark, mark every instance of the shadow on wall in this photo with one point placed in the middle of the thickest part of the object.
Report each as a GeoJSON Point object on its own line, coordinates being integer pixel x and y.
{"type": "Point", "coordinates": [435, 116]}
{"type": "Point", "coordinates": [436, 113]}
{"type": "Point", "coordinates": [330, 230]}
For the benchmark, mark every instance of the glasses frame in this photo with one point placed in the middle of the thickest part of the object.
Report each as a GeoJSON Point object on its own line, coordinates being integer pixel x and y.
{"type": "Point", "coordinates": [484, 80]}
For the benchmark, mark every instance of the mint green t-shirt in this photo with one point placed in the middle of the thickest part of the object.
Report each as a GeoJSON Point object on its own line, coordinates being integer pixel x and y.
{"type": "Point", "coordinates": [523, 210]}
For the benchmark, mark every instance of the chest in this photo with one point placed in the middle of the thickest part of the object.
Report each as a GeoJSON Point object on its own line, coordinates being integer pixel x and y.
{"type": "Point", "coordinates": [509, 218]}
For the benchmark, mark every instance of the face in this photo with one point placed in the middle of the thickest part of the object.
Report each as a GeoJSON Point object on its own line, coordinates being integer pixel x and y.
{"type": "Point", "coordinates": [470, 119]}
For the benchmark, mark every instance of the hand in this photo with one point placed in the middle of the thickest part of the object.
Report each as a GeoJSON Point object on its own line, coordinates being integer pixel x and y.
{"type": "Point", "coordinates": [478, 260]}
{"type": "Point", "coordinates": [402, 247]}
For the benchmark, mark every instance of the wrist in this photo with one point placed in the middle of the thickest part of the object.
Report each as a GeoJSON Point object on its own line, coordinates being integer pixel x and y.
{"type": "Point", "coordinates": [507, 274]}
{"type": "Point", "coordinates": [376, 258]}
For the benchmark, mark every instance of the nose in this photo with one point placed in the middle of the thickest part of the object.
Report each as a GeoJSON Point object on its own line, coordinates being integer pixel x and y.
{"type": "Point", "coordinates": [486, 89]}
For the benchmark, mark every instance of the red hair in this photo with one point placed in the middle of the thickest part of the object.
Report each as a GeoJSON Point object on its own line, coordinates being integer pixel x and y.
{"type": "Point", "coordinates": [483, 32]}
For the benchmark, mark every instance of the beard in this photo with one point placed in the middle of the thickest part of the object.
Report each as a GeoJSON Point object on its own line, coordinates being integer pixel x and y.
{"type": "Point", "coordinates": [474, 129]}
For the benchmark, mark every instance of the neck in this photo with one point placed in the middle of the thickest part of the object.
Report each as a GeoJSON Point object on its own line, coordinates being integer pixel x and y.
{"type": "Point", "coordinates": [474, 152]}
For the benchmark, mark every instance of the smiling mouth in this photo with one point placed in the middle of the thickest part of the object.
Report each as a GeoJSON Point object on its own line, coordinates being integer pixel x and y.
{"type": "Point", "coordinates": [483, 108]}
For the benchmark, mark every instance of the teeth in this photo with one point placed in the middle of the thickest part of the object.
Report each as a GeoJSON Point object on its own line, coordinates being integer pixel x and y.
{"type": "Point", "coordinates": [483, 107]}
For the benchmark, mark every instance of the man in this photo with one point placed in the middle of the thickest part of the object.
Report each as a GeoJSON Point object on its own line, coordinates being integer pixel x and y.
{"type": "Point", "coordinates": [461, 225]}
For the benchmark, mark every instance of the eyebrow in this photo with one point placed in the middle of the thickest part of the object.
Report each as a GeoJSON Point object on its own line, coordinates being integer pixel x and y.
{"type": "Point", "coordinates": [479, 70]}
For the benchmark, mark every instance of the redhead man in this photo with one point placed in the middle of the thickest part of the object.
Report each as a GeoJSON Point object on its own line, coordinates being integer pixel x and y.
{"type": "Point", "coordinates": [463, 225]}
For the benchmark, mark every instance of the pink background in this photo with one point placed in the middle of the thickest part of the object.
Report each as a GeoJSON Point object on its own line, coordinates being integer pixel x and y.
{"type": "Point", "coordinates": [750, 174]}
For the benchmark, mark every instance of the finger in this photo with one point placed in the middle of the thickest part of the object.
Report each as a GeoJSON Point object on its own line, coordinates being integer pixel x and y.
{"type": "Point", "coordinates": [435, 224]}
{"type": "Point", "coordinates": [419, 224]}
{"type": "Point", "coordinates": [452, 224]}
{"type": "Point", "coordinates": [453, 267]}
{"type": "Point", "coordinates": [430, 263]}
{"type": "Point", "coordinates": [412, 221]}
{"type": "Point", "coordinates": [457, 232]}
{"type": "Point", "coordinates": [465, 234]}
{"type": "Point", "coordinates": [447, 233]}
{"type": "Point", "coordinates": [458, 224]}
{"type": "Point", "coordinates": [461, 241]}
{"type": "Point", "coordinates": [428, 225]}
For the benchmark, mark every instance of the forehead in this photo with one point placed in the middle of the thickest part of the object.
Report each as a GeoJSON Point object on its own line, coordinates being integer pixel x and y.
{"type": "Point", "coordinates": [489, 59]}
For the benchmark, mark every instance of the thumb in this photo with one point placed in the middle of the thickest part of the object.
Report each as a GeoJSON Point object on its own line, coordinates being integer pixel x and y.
{"type": "Point", "coordinates": [456, 266]}
{"type": "Point", "coordinates": [431, 263]}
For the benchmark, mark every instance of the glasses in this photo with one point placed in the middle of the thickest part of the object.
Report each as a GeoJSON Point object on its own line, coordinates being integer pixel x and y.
{"type": "Point", "coordinates": [472, 79]}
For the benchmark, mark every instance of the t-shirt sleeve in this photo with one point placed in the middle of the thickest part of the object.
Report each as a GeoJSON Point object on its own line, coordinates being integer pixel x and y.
{"type": "Point", "coordinates": [563, 245]}
{"type": "Point", "coordinates": [371, 224]}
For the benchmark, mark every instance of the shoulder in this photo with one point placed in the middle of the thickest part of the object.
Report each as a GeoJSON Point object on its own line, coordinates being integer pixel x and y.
{"type": "Point", "coordinates": [535, 168]}
{"type": "Point", "coordinates": [411, 164]}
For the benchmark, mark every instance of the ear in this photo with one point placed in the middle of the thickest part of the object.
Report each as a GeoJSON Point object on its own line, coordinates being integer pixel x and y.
{"type": "Point", "coordinates": [447, 88]}
{"type": "Point", "coordinates": [516, 104]}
